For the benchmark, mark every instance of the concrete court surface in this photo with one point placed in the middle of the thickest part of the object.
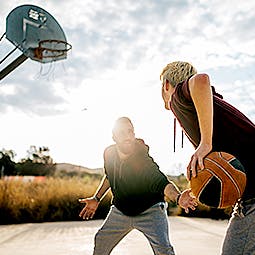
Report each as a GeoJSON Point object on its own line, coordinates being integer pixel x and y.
{"type": "Point", "coordinates": [190, 236]}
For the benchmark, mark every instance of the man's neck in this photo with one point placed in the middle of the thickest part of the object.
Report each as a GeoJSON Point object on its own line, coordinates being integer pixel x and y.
{"type": "Point", "coordinates": [122, 155]}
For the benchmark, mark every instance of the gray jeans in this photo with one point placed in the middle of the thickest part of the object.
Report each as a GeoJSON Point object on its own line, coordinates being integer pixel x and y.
{"type": "Point", "coordinates": [240, 235]}
{"type": "Point", "coordinates": [152, 223]}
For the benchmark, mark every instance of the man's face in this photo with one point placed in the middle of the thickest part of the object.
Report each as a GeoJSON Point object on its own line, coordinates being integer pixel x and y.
{"type": "Point", "coordinates": [124, 137]}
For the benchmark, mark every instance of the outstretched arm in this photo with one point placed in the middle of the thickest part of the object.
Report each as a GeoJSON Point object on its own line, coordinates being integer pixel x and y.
{"type": "Point", "coordinates": [184, 199]}
{"type": "Point", "coordinates": [92, 203]}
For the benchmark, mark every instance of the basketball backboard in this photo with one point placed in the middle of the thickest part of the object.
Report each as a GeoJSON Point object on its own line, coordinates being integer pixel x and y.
{"type": "Point", "coordinates": [37, 34]}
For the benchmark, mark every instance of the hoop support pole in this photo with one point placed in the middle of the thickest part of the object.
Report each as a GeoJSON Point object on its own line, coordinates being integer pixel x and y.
{"type": "Point", "coordinates": [18, 61]}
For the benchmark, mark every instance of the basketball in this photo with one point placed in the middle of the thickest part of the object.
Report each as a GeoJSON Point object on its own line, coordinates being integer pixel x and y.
{"type": "Point", "coordinates": [221, 183]}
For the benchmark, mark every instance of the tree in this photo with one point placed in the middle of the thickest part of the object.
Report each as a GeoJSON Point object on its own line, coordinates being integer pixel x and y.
{"type": "Point", "coordinates": [40, 155]}
{"type": "Point", "coordinates": [7, 165]}
{"type": "Point", "coordinates": [38, 162]}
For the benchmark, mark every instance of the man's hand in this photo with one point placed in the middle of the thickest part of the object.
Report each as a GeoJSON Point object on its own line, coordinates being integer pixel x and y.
{"type": "Point", "coordinates": [197, 160]}
{"type": "Point", "coordinates": [187, 200]}
{"type": "Point", "coordinates": [89, 209]}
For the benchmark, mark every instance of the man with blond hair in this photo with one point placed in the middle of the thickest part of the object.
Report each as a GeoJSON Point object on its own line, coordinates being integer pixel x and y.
{"type": "Point", "coordinates": [212, 124]}
{"type": "Point", "coordinates": [139, 189]}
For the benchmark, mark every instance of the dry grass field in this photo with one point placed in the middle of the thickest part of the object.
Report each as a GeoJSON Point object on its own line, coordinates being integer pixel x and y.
{"type": "Point", "coordinates": [50, 200]}
{"type": "Point", "coordinates": [56, 199]}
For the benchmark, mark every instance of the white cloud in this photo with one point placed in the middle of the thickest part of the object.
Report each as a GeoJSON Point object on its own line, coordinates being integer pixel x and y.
{"type": "Point", "coordinates": [118, 51]}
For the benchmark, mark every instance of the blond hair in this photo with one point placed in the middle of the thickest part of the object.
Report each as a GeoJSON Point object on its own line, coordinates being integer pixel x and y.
{"type": "Point", "coordinates": [177, 72]}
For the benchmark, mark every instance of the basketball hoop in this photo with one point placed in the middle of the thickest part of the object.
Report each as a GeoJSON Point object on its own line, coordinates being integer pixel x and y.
{"type": "Point", "coordinates": [37, 34]}
{"type": "Point", "coordinates": [51, 50]}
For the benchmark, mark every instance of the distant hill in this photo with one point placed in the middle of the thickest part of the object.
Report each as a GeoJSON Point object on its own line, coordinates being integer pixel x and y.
{"type": "Point", "coordinates": [66, 167]}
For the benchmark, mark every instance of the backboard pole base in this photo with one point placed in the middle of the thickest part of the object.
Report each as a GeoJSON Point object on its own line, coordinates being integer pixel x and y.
{"type": "Point", "coordinates": [18, 61]}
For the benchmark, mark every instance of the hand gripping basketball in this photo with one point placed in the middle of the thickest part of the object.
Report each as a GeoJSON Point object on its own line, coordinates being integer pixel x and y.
{"type": "Point", "coordinates": [221, 183]}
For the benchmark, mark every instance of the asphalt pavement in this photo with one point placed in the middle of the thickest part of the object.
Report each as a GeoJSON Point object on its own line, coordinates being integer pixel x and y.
{"type": "Point", "coordinates": [189, 236]}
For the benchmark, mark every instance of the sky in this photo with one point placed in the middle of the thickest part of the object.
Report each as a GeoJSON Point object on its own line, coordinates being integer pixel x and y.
{"type": "Point", "coordinates": [118, 51]}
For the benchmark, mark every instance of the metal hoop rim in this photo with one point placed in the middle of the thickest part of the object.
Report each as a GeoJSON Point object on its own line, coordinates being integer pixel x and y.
{"type": "Point", "coordinates": [57, 41]}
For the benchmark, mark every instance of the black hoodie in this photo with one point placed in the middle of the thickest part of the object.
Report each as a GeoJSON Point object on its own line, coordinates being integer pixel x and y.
{"type": "Point", "coordinates": [136, 182]}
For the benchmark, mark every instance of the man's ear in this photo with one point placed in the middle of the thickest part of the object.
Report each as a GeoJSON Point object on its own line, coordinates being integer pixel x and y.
{"type": "Point", "coordinates": [166, 85]}
{"type": "Point", "coordinates": [114, 138]}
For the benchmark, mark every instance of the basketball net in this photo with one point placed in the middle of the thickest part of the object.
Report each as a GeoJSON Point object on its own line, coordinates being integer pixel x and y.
{"type": "Point", "coordinates": [50, 51]}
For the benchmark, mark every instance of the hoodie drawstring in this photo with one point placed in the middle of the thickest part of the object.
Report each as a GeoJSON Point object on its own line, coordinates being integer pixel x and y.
{"type": "Point", "coordinates": [182, 136]}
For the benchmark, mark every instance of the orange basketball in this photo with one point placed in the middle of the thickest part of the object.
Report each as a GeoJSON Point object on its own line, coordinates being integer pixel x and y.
{"type": "Point", "coordinates": [221, 183]}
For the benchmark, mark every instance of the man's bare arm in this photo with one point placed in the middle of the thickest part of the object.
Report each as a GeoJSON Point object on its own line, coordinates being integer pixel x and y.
{"type": "Point", "coordinates": [102, 188]}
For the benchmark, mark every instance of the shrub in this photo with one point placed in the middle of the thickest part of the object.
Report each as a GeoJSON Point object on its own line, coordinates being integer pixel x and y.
{"type": "Point", "coordinates": [37, 169]}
